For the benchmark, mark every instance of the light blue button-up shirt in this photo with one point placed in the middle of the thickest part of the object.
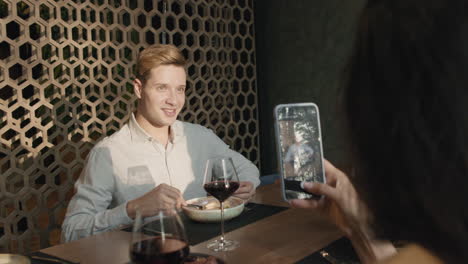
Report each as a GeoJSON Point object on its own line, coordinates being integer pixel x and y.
{"type": "Point", "coordinates": [130, 163]}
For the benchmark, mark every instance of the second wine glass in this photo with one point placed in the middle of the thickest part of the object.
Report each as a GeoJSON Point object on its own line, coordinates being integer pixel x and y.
{"type": "Point", "coordinates": [221, 181]}
{"type": "Point", "coordinates": [159, 239]}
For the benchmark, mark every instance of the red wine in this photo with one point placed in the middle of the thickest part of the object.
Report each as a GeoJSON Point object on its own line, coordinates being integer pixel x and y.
{"type": "Point", "coordinates": [153, 251]}
{"type": "Point", "coordinates": [221, 189]}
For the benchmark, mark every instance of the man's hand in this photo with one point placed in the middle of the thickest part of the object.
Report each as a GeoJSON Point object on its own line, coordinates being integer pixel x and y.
{"type": "Point", "coordinates": [161, 197]}
{"type": "Point", "coordinates": [246, 190]}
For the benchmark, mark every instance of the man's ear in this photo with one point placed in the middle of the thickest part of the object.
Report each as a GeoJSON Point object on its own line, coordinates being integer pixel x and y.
{"type": "Point", "coordinates": [137, 88]}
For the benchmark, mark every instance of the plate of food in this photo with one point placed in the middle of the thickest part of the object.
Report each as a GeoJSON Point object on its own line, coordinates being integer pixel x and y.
{"type": "Point", "coordinates": [208, 209]}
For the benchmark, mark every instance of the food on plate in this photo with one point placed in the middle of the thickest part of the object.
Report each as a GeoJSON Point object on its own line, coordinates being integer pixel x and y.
{"type": "Point", "coordinates": [214, 204]}
{"type": "Point", "coordinates": [207, 209]}
{"type": "Point", "coordinates": [211, 204]}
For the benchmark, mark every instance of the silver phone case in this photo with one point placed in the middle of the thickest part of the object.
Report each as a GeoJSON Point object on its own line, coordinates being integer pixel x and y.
{"type": "Point", "coordinates": [278, 142]}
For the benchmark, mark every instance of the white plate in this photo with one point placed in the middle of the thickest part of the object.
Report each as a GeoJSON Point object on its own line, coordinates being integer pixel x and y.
{"type": "Point", "coordinates": [233, 207]}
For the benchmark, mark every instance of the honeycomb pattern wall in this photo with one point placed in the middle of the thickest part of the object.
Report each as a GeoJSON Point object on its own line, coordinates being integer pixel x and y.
{"type": "Point", "coordinates": [66, 70]}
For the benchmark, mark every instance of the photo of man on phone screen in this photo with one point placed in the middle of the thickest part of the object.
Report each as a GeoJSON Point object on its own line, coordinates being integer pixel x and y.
{"type": "Point", "coordinates": [301, 153]}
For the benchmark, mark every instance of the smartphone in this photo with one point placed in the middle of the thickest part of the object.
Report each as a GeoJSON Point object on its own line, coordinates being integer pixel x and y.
{"type": "Point", "coordinates": [299, 148]}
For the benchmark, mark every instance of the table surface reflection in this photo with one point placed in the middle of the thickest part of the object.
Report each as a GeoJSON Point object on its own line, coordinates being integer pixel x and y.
{"type": "Point", "coordinates": [285, 237]}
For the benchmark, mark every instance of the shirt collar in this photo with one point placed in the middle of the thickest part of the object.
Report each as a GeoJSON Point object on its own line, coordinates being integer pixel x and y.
{"type": "Point", "coordinates": [138, 134]}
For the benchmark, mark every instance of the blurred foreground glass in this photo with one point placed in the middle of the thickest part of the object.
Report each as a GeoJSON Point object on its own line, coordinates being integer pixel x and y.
{"type": "Point", "coordinates": [221, 181]}
{"type": "Point", "coordinates": [160, 239]}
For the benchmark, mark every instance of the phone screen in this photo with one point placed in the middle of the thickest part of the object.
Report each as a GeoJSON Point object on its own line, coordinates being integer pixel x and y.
{"type": "Point", "coordinates": [300, 148]}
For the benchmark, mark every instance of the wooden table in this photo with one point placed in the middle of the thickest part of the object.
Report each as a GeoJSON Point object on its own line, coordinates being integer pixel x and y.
{"type": "Point", "coordinates": [285, 237]}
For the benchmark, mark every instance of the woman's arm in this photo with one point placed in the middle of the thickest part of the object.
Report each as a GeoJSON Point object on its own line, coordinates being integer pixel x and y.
{"type": "Point", "coordinates": [342, 205]}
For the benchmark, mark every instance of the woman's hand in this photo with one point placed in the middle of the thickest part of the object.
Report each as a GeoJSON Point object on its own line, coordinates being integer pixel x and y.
{"type": "Point", "coordinates": [341, 204]}
{"type": "Point", "coordinates": [340, 201]}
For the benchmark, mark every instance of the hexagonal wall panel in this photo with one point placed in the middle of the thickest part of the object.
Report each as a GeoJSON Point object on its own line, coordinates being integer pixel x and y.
{"type": "Point", "coordinates": [66, 70]}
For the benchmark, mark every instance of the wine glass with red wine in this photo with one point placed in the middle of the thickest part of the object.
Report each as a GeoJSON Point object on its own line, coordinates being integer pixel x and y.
{"type": "Point", "coordinates": [160, 239]}
{"type": "Point", "coordinates": [221, 181]}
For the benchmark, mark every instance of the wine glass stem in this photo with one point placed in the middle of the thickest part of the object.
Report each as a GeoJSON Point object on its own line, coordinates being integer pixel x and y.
{"type": "Point", "coordinates": [222, 224]}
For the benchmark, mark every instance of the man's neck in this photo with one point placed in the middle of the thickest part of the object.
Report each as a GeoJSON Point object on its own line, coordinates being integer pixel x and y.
{"type": "Point", "coordinates": [161, 134]}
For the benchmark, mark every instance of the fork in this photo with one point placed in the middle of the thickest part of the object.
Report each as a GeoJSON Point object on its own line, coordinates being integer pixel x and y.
{"type": "Point", "coordinates": [200, 207]}
{"type": "Point", "coordinates": [334, 260]}
{"type": "Point", "coordinates": [199, 204]}
{"type": "Point", "coordinates": [328, 257]}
